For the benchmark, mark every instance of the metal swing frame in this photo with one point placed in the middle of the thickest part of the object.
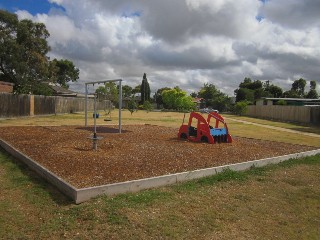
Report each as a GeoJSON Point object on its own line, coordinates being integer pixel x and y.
{"type": "Point", "coordinates": [120, 98]}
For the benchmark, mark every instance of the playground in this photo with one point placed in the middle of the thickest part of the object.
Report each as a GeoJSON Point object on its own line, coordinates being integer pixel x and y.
{"type": "Point", "coordinates": [140, 151]}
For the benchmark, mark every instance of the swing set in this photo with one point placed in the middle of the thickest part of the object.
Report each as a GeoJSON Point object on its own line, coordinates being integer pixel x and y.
{"type": "Point", "coordinates": [94, 137]}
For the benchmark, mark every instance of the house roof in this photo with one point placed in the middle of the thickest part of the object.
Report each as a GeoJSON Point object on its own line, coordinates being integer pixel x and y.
{"type": "Point", "coordinates": [6, 83]}
{"type": "Point", "coordinates": [61, 91]}
{"type": "Point", "coordinates": [197, 100]}
{"type": "Point", "coordinates": [292, 99]}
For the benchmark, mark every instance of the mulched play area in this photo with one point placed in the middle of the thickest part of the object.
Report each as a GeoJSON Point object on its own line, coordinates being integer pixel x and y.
{"type": "Point", "coordinates": [140, 151]}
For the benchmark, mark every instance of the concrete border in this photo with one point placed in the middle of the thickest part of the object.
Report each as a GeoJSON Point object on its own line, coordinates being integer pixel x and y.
{"type": "Point", "coordinates": [84, 194]}
{"type": "Point", "coordinates": [58, 182]}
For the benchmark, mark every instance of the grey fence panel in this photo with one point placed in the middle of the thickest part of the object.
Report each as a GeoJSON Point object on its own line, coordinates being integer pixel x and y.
{"type": "Point", "coordinates": [69, 105]}
{"type": "Point", "coordinates": [302, 114]}
{"type": "Point", "coordinates": [315, 115]}
{"type": "Point", "coordinates": [44, 105]}
{"type": "Point", "coordinates": [12, 105]}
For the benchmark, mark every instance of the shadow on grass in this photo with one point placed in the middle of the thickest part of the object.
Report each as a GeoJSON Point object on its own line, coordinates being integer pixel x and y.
{"type": "Point", "coordinates": [36, 189]}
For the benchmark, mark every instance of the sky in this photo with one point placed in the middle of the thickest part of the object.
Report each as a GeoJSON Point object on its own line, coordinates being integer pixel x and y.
{"type": "Point", "coordinates": [184, 43]}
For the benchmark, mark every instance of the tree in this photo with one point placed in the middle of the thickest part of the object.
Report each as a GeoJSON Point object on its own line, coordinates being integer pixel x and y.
{"type": "Point", "coordinates": [112, 92]}
{"type": "Point", "coordinates": [247, 83]}
{"type": "Point", "coordinates": [23, 60]}
{"type": "Point", "coordinates": [23, 49]}
{"type": "Point", "coordinates": [253, 90]}
{"type": "Point", "coordinates": [177, 99]}
{"type": "Point", "coordinates": [244, 94]}
{"type": "Point", "coordinates": [313, 85]}
{"type": "Point", "coordinates": [108, 92]}
{"type": "Point", "coordinates": [126, 91]}
{"type": "Point", "coordinates": [101, 92]}
{"type": "Point", "coordinates": [158, 96]}
{"type": "Point", "coordinates": [274, 90]}
{"type": "Point", "coordinates": [132, 105]}
{"type": "Point", "coordinates": [291, 94]}
{"type": "Point", "coordinates": [298, 86]}
{"type": "Point", "coordinates": [250, 90]}
{"type": "Point", "coordinates": [214, 98]}
{"type": "Point", "coordinates": [312, 94]}
{"type": "Point", "coordinates": [194, 94]}
{"type": "Point", "coordinates": [63, 71]}
{"type": "Point", "coordinates": [145, 89]}
{"type": "Point", "coordinates": [136, 89]}
{"type": "Point", "coordinates": [147, 106]}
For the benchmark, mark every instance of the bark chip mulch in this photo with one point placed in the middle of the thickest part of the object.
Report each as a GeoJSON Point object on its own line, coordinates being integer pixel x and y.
{"type": "Point", "coordinates": [141, 151]}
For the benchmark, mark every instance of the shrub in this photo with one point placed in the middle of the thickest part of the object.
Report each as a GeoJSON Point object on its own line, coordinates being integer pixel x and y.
{"type": "Point", "coordinates": [240, 108]}
{"type": "Point", "coordinates": [281, 102]}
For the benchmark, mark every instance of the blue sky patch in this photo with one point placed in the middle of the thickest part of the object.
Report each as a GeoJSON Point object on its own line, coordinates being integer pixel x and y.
{"type": "Point", "coordinates": [32, 6]}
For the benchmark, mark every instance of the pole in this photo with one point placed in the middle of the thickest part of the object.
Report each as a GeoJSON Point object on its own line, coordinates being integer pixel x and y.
{"type": "Point", "coordinates": [95, 117]}
{"type": "Point", "coordinates": [86, 107]}
{"type": "Point", "coordinates": [120, 104]}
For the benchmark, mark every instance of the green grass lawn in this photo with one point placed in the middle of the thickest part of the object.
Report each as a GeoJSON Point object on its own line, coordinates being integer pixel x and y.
{"type": "Point", "coordinates": [261, 203]}
{"type": "Point", "coordinates": [281, 201]}
{"type": "Point", "coordinates": [288, 125]}
{"type": "Point", "coordinates": [174, 120]}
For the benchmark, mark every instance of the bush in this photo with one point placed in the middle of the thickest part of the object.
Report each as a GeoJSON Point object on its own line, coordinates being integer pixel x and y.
{"type": "Point", "coordinates": [240, 108]}
{"type": "Point", "coordinates": [132, 106]}
{"type": "Point", "coordinates": [281, 102]}
{"type": "Point", "coordinates": [147, 106]}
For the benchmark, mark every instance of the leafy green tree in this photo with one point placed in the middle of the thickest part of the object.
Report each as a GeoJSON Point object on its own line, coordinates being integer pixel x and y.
{"type": "Point", "coordinates": [298, 86]}
{"type": "Point", "coordinates": [291, 94]}
{"type": "Point", "coordinates": [136, 89]}
{"type": "Point", "coordinates": [250, 90]}
{"type": "Point", "coordinates": [177, 99]}
{"type": "Point", "coordinates": [194, 94]}
{"type": "Point", "coordinates": [249, 84]}
{"type": "Point", "coordinates": [274, 90]}
{"type": "Point", "coordinates": [23, 60]}
{"type": "Point", "coordinates": [312, 94]}
{"type": "Point", "coordinates": [158, 96]}
{"type": "Point", "coordinates": [126, 91]}
{"type": "Point", "coordinates": [108, 92]}
{"type": "Point", "coordinates": [112, 92]}
{"type": "Point", "coordinates": [244, 94]}
{"type": "Point", "coordinates": [132, 105]}
{"type": "Point", "coordinates": [63, 71]}
{"type": "Point", "coordinates": [214, 98]}
{"type": "Point", "coordinates": [147, 106]}
{"type": "Point", "coordinates": [101, 93]}
{"type": "Point", "coordinates": [145, 89]}
{"type": "Point", "coordinates": [23, 49]}
{"type": "Point", "coordinates": [313, 85]}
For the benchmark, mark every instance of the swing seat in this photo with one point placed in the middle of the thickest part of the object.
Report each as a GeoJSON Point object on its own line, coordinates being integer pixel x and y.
{"type": "Point", "coordinates": [107, 119]}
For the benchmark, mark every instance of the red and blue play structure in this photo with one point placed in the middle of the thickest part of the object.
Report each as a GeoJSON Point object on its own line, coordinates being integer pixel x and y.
{"type": "Point", "coordinates": [199, 129]}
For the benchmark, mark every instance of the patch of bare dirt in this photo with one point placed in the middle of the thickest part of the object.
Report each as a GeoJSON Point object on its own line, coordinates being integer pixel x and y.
{"type": "Point", "coordinates": [141, 151]}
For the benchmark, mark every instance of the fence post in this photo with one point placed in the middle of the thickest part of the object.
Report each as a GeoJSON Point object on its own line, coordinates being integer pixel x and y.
{"type": "Point", "coordinates": [31, 105]}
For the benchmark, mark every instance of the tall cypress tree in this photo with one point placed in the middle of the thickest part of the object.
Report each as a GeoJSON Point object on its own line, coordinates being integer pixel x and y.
{"type": "Point", "coordinates": [145, 89]}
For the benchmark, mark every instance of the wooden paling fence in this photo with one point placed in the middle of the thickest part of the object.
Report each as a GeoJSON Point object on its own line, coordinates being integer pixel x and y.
{"type": "Point", "coordinates": [12, 105]}
{"type": "Point", "coordinates": [302, 114]}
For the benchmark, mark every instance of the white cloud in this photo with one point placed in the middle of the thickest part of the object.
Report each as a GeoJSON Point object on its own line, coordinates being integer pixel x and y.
{"type": "Point", "coordinates": [187, 42]}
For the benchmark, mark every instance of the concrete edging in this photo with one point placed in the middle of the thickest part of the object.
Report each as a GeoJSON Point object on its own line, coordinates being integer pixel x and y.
{"type": "Point", "coordinates": [84, 194]}
{"type": "Point", "coordinates": [58, 182]}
